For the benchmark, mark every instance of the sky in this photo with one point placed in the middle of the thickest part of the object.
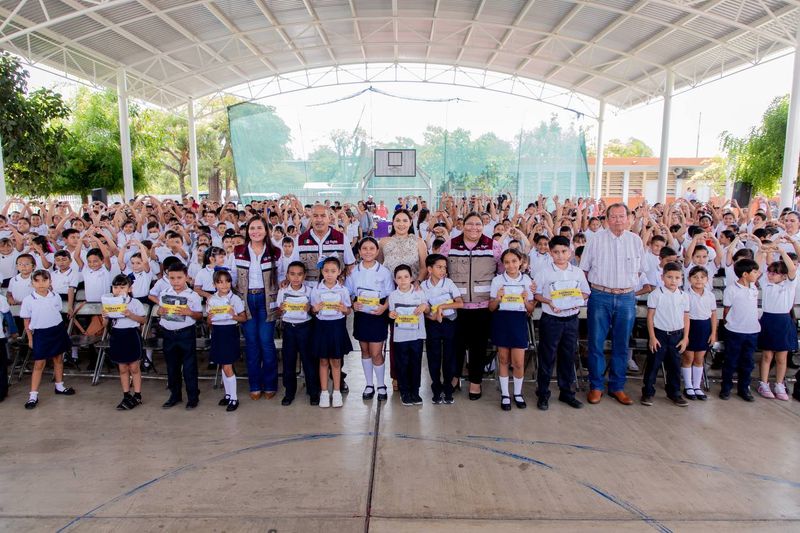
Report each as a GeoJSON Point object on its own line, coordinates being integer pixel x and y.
{"type": "Point", "coordinates": [734, 103]}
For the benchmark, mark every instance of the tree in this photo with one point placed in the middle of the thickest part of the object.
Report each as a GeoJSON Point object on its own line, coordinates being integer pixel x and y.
{"type": "Point", "coordinates": [758, 156]}
{"type": "Point", "coordinates": [714, 175]}
{"type": "Point", "coordinates": [633, 147]}
{"type": "Point", "coordinates": [31, 131]}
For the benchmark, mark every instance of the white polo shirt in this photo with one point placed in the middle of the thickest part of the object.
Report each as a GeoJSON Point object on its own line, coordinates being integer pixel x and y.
{"type": "Point", "coordinates": [134, 306]}
{"type": "Point", "coordinates": [141, 282]}
{"type": "Point", "coordinates": [779, 297]}
{"type": "Point", "coordinates": [670, 306]}
{"type": "Point", "coordinates": [96, 283]}
{"type": "Point", "coordinates": [322, 293]}
{"type": "Point", "coordinates": [711, 269]}
{"type": "Point", "coordinates": [537, 261]}
{"type": "Point", "coordinates": [20, 287]}
{"type": "Point", "coordinates": [8, 265]}
{"type": "Point", "coordinates": [4, 308]}
{"type": "Point", "coordinates": [43, 311]}
{"type": "Point", "coordinates": [441, 292]}
{"type": "Point", "coordinates": [743, 314]}
{"type": "Point", "coordinates": [404, 303]}
{"type": "Point", "coordinates": [204, 279]}
{"type": "Point", "coordinates": [376, 278]}
{"type": "Point", "coordinates": [62, 282]}
{"type": "Point", "coordinates": [555, 278]}
{"type": "Point", "coordinates": [297, 296]}
{"type": "Point", "coordinates": [229, 299]}
{"type": "Point", "coordinates": [160, 286]}
{"type": "Point", "coordinates": [701, 306]}
{"type": "Point", "coordinates": [192, 300]}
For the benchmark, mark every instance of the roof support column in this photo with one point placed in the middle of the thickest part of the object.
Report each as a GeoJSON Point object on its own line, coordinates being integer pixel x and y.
{"type": "Point", "coordinates": [125, 135]}
{"type": "Point", "coordinates": [791, 151]}
{"type": "Point", "coordinates": [193, 162]}
{"type": "Point", "coordinates": [663, 164]}
{"type": "Point", "coordinates": [2, 175]}
{"type": "Point", "coordinates": [598, 164]}
{"type": "Point", "coordinates": [626, 185]}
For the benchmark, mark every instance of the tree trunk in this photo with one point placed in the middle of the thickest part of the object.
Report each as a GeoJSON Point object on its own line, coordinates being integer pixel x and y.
{"type": "Point", "coordinates": [213, 185]}
{"type": "Point", "coordinates": [182, 183]}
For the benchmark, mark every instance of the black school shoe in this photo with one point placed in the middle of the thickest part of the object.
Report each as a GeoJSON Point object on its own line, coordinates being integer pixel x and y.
{"type": "Point", "coordinates": [287, 400]}
{"type": "Point", "coordinates": [171, 402]}
{"type": "Point", "coordinates": [224, 401]}
{"type": "Point", "coordinates": [232, 405]}
{"type": "Point", "coordinates": [127, 403]}
{"type": "Point", "coordinates": [520, 403]}
{"type": "Point", "coordinates": [724, 395]}
{"type": "Point", "coordinates": [504, 406]}
{"type": "Point", "coordinates": [572, 401]}
{"type": "Point", "coordinates": [31, 404]}
{"type": "Point", "coordinates": [436, 399]}
{"type": "Point", "coordinates": [68, 391]}
{"type": "Point", "coordinates": [191, 404]}
{"type": "Point", "coordinates": [746, 396]}
{"type": "Point", "coordinates": [406, 399]}
{"type": "Point", "coordinates": [314, 400]}
{"type": "Point", "coordinates": [416, 399]}
{"type": "Point", "coordinates": [382, 396]}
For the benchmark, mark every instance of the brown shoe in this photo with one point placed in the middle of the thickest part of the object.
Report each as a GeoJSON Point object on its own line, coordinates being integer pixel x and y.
{"type": "Point", "coordinates": [255, 395]}
{"type": "Point", "coordinates": [269, 395]}
{"type": "Point", "coordinates": [395, 386]}
{"type": "Point", "coordinates": [594, 396]}
{"type": "Point", "coordinates": [621, 397]}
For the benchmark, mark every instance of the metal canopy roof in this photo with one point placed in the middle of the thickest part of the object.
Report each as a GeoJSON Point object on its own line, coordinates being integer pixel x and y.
{"type": "Point", "coordinates": [616, 50]}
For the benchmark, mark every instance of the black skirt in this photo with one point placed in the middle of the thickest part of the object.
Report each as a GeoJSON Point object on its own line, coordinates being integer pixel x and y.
{"type": "Point", "coordinates": [331, 340]}
{"type": "Point", "coordinates": [699, 331]}
{"type": "Point", "coordinates": [510, 329]}
{"type": "Point", "coordinates": [370, 328]}
{"type": "Point", "coordinates": [778, 332]}
{"type": "Point", "coordinates": [125, 345]}
{"type": "Point", "coordinates": [50, 342]}
{"type": "Point", "coordinates": [224, 344]}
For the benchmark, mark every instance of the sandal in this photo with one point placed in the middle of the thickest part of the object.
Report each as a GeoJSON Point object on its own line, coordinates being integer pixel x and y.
{"type": "Point", "coordinates": [369, 392]}
{"type": "Point", "coordinates": [503, 405]}
{"type": "Point", "coordinates": [382, 396]}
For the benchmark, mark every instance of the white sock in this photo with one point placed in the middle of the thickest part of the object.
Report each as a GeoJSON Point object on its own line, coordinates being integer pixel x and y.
{"type": "Point", "coordinates": [230, 386]}
{"type": "Point", "coordinates": [148, 354]}
{"type": "Point", "coordinates": [34, 395]}
{"type": "Point", "coordinates": [380, 371]}
{"type": "Point", "coordinates": [518, 386]}
{"type": "Point", "coordinates": [60, 386]}
{"type": "Point", "coordinates": [697, 377]}
{"type": "Point", "coordinates": [630, 354]}
{"type": "Point", "coordinates": [686, 373]}
{"type": "Point", "coordinates": [366, 364]}
{"type": "Point", "coordinates": [504, 385]}
{"type": "Point", "coordinates": [74, 352]}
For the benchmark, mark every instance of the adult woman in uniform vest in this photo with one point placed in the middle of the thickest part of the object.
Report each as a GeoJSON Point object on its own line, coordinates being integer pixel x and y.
{"type": "Point", "coordinates": [257, 285]}
{"type": "Point", "coordinates": [473, 259]}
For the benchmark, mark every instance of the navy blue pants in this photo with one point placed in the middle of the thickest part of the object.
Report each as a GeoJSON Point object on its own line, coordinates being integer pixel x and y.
{"type": "Point", "coordinates": [297, 339]}
{"type": "Point", "coordinates": [558, 342]}
{"type": "Point", "coordinates": [180, 352]}
{"type": "Point", "coordinates": [441, 355]}
{"type": "Point", "coordinates": [668, 354]}
{"type": "Point", "coordinates": [409, 365]}
{"type": "Point", "coordinates": [739, 349]}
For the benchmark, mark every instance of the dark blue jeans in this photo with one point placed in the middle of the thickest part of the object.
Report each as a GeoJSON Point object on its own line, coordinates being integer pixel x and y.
{"type": "Point", "coordinates": [180, 353]}
{"type": "Point", "coordinates": [409, 365]}
{"type": "Point", "coordinates": [739, 349]}
{"type": "Point", "coordinates": [297, 339]}
{"type": "Point", "coordinates": [668, 354]}
{"type": "Point", "coordinates": [615, 313]}
{"type": "Point", "coordinates": [558, 342]}
{"type": "Point", "coordinates": [441, 355]}
{"type": "Point", "coordinates": [259, 336]}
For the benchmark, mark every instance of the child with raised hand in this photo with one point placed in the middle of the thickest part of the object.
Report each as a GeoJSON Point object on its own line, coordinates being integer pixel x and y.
{"type": "Point", "coordinates": [511, 303]}
{"type": "Point", "coordinates": [125, 340]}
{"type": "Point", "coordinates": [668, 330]}
{"type": "Point", "coordinates": [369, 284]}
{"type": "Point", "coordinates": [225, 313]}
{"type": "Point", "coordinates": [330, 302]}
{"type": "Point", "coordinates": [702, 332]}
{"type": "Point", "coordinates": [406, 307]}
{"type": "Point", "coordinates": [47, 335]}
{"type": "Point", "coordinates": [778, 333]}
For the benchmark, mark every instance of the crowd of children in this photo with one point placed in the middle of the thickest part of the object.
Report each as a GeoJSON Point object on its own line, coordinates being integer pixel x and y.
{"type": "Point", "coordinates": [179, 256]}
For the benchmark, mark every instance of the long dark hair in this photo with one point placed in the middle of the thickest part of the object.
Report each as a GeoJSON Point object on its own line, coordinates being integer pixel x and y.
{"type": "Point", "coordinates": [268, 247]}
{"type": "Point", "coordinates": [410, 220]}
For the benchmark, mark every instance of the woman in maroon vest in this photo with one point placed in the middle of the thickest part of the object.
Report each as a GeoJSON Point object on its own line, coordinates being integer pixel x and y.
{"type": "Point", "coordinates": [473, 259]}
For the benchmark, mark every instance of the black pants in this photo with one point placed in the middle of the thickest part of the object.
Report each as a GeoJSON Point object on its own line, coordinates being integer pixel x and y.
{"type": "Point", "coordinates": [3, 369]}
{"type": "Point", "coordinates": [180, 352]}
{"type": "Point", "coordinates": [472, 334]}
{"type": "Point", "coordinates": [297, 339]}
{"type": "Point", "coordinates": [409, 365]}
{"type": "Point", "coordinates": [669, 355]}
{"type": "Point", "coordinates": [441, 355]}
{"type": "Point", "coordinates": [558, 342]}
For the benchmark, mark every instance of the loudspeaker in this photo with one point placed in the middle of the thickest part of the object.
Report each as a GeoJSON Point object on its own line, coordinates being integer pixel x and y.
{"type": "Point", "coordinates": [742, 192]}
{"type": "Point", "coordinates": [100, 195]}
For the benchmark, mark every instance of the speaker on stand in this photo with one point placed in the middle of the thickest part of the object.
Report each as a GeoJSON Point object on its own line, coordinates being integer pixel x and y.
{"type": "Point", "coordinates": [100, 195]}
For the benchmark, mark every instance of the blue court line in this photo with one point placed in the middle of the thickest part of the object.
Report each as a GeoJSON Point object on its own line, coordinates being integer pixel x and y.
{"type": "Point", "coordinates": [712, 468]}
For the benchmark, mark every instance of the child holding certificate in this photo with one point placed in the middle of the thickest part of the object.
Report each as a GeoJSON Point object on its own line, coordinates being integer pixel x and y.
{"type": "Point", "coordinates": [406, 307]}
{"type": "Point", "coordinates": [225, 312]}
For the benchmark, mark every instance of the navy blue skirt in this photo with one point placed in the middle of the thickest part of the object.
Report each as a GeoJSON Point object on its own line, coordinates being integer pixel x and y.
{"type": "Point", "coordinates": [331, 340]}
{"type": "Point", "coordinates": [778, 332]}
{"type": "Point", "coordinates": [510, 329]}
{"type": "Point", "coordinates": [50, 342]}
{"type": "Point", "coordinates": [224, 344]}
{"type": "Point", "coordinates": [699, 331]}
{"type": "Point", "coordinates": [125, 345]}
{"type": "Point", "coordinates": [370, 328]}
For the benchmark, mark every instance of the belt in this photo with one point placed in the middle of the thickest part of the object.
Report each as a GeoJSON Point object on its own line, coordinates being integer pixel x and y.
{"type": "Point", "coordinates": [670, 333]}
{"type": "Point", "coordinates": [610, 290]}
{"type": "Point", "coordinates": [255, 291]}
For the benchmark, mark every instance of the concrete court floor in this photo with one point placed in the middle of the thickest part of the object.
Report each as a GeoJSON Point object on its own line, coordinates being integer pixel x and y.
{"type": "Point", "coordinates": [76, 464]}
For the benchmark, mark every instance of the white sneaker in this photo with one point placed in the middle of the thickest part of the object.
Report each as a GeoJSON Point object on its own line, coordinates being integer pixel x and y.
{"type": "Point", "coordinates": [325, 399]}
{"type": "Point", "coordinates": [632, 366]}
{"type": "Point", "coordinates": [780, 392]}
{"type": "Point", "coordinates": [763, 390]}
{"type": "Point", "coordinates": [336, 399]}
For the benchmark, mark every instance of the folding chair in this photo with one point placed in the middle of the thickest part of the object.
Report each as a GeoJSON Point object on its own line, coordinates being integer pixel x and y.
{"type": "Point", "coordinates": [149, 340]}
{"type": "Point", "coordinates": [77, 333]}
{"type": "Point", "coordinates": [102, 347]}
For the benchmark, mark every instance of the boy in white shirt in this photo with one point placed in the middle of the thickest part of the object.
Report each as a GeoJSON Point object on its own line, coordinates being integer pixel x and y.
{"type": "Point", "coordinates": [406, 308]}
{"type": "Point", "coordinates": [668, 329]}
{"type": "Point", "coordinates": [8, 261]}
{"type": "Point", "coordinates": [20, 285]}
{"type": "Point", "coordinates": [741, 327]}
